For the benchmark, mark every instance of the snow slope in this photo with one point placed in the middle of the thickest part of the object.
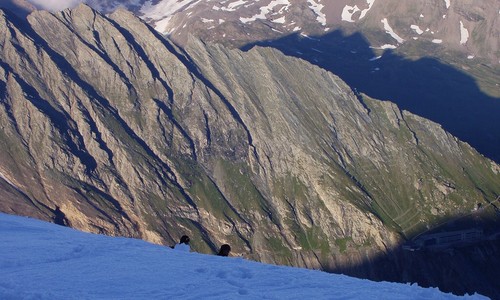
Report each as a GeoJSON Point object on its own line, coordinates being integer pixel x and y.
{"type": "Point", "coordinates": [40, 260]}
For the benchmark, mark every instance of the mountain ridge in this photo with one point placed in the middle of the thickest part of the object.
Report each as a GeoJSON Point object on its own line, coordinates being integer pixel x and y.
{"type": "Point", "coordinates": [441, 55]}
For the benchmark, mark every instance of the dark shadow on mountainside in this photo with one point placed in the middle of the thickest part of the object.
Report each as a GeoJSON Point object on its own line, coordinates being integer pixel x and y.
{"type": "Point", "coordinates": [453, 267]}
{"type": "Point", "coordinates": [15, 7]}
{"type": "Point", "coordinates": [425, 87]}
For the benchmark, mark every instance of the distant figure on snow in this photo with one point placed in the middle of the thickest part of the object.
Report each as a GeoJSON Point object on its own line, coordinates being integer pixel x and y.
{"type": "Point", "coordinates": [183, 245]}
{"type": "Point", "coordinates": [60, 217]}
{"type": "Point", "coordinates": [224, 250]}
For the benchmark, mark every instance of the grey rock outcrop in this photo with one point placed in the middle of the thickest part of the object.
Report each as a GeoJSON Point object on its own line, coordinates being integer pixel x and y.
{"type": "Point", "coordinates": [110, 128]}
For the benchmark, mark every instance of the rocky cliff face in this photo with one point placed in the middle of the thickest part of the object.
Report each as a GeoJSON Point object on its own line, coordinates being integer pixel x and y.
{"type": "Point", "coordinates": [108, 127]}
{"type": "Point", "coordinates": [436, 59]}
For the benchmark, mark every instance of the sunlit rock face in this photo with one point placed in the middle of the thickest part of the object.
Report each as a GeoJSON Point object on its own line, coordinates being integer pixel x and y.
{"type": "Point", "coordinates": [387, 49]}
{"type": "Point", "coordinates": [108, 127]}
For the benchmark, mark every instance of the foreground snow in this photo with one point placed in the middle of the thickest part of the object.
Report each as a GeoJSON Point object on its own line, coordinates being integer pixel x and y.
{"type": "Point", "coordinates": [40, 260]}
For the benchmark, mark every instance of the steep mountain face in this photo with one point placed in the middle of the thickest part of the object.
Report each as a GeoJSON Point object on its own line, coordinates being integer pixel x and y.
{"type": "Point", "coordinates": [108, 127]}
{"type": "Point", "coordinates": [436, 59]}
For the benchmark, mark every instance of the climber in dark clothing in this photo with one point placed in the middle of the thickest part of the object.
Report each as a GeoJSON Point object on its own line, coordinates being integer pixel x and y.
{"type": "Point", "coordinates": [183, 244]}
{"type": "Point", "coordinates": [224, 250]}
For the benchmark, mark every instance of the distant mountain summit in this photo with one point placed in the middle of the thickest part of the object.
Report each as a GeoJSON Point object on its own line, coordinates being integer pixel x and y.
{"type": "Point", "coordinates": [471, 28]}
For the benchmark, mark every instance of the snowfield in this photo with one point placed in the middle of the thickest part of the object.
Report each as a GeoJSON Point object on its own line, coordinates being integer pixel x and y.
{"type": "Point", "coordinates": [41, 260]}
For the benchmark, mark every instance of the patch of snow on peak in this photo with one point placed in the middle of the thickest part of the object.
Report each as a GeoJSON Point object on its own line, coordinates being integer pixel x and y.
{"type": "Point", "coordinates": [388, 46]}
{"type": "Point", "coordinates": [421, 15]}
{"type": "Point", "coordinates": [417, 29]}
{"type": "Point", "coordinates": [162, 25]}
{"type": "Point", "coordinates": [162, 11]}
{"type": "Point", "coordinates": [233, 5]}
{"type": "Point", "coordinates": [317, 7]}
{"type": "Point", "coordinates": [297, 28]}
{"type": "Point", "coordinates": [470, 57]}
{"type": "Point", "coordinates": [206, 20]}
{"type": "Point", "coordinates": [464, 34]}
{"type": "Point", "coordinates": [266, 10]}
{"type": "Point", "coordinates": [365, 11]}
{"type": "Point", "coordinates": [349, 11]}
{"type": "Point", "coordinates": [437, 41]}
{"type": "Point", "coordinates": [447, 2]}
{"type": "Point", "coordinates": [308, 37]}
{"type": "Point", "coordinates": [280, 20]}
{"type": "Point", "coordinates": [388, 29]}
